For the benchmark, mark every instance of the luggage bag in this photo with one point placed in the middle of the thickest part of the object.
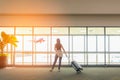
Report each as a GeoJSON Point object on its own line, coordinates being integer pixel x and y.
{"type": "Point", "coordinates": [76, 66]}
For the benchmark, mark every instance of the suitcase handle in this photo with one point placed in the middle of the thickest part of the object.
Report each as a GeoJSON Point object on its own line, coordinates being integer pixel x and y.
{"type": "Point", "coordinates": [68, 57]}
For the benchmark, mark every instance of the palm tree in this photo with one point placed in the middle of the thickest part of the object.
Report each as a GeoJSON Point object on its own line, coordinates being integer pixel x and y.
{"type": "Point", "coordinates": [7, 39]}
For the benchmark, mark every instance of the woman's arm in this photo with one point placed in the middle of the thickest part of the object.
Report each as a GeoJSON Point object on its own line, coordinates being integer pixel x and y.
{"type": "Point", "coordinates": [55, 48]}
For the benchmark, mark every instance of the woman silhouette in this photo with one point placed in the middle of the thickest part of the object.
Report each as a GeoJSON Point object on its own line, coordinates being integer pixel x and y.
{"type": "Point", "coordinates": [58, 46]}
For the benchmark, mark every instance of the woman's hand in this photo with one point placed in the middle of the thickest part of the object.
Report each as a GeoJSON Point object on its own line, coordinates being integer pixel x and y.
{"type": "Point", "coordinates": [66, 55]}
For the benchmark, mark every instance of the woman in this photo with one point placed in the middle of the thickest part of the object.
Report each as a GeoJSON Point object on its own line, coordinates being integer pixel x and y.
{"type": "Point", "coordinates": [59, 54]}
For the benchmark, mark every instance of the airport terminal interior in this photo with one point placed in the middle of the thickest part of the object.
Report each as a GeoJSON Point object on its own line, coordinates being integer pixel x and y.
{"type": "Point", "coordinates": [89, 31]}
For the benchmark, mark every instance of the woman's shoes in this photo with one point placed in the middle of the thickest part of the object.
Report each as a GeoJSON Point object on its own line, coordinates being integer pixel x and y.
{"type": "Point", "coordinates": [51, 70]}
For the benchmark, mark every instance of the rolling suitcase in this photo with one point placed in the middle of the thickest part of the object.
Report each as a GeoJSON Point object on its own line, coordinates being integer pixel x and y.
{"type": "Point", "coordinates": [76, 66]}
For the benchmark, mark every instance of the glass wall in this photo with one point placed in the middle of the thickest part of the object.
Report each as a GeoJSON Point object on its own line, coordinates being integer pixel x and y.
{"type": "Point", "coordinates": [78, 44]}
{"type": "Point", "coordinates": [96, 45]}
{"type": "Point", "coordinates": [113, 45]}
{"type": "Point", "coordinates": [86, 45]}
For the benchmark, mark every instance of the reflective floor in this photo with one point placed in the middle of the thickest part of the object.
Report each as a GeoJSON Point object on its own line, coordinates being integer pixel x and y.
{"type": "Point", "coordinates": [67, 73]}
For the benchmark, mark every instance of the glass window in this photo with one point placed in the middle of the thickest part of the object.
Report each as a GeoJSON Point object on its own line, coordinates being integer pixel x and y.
{"type": "Point", "coordinates": [91, 58]}
{"type": "Point", "coordinates": [24, 30]}
{"type": "Point", "coordinates": [18, 58]}
{"type": "Point", "coordinates": [61, 30]}
{"type": "Point", "coordinates": [24, 53]}
{"type": "Point", "coordinates": [78, 57]}
{"type": "Point", "coordinates": [115, 43]}
{"type": "Point", "coordinates": [95, 30]}
{"type": "Point", "coordinates": [41, 30]}
{"type": "Point", "coordinates": [107, 58]}
{"type": "Point", "coordinates": [107, 43]}
{"type": "Point", "coordinates": [111, 30]}
{"type": "Point", "coordinates": [28, 58]}
{"type": "Point", "coordinates": [100, 43]}
{"type": "Point", "coordinates": [27, 43]}
{"type": "Point", "coordinates": [77, 30]}
{"type": "Point", "coordinates": [9, 58]}
{"type": "Point", "coordinates": [7, 30]}
{"type": "Point", "coordinates": [91, 43]}
{"type": "Point", "coordinates": [41, 58]}
{"type": "Point", "coordinates": [43, 45]}
{"type": "Point", "coordinates": [78, 43]}
{"type": "Point", "coordinates": [114, 58]}
{"type": "Point", "coordinates": [100, 58]}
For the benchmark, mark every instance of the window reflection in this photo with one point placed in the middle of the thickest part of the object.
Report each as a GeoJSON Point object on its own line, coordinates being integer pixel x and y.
{"type": "Point", "coordinates": [115, 58]}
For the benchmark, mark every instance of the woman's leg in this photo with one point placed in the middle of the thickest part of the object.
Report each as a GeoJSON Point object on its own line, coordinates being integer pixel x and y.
{"type": "Point", "coordinates": [60, 59]}
{"type": "Point", "coordinates": [56, 57]}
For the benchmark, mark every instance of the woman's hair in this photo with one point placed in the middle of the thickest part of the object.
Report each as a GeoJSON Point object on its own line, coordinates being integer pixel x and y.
{"type": "Point", "coordinates": [58, 40]}
{"type": "Point", "coordinates": [58, 44]}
